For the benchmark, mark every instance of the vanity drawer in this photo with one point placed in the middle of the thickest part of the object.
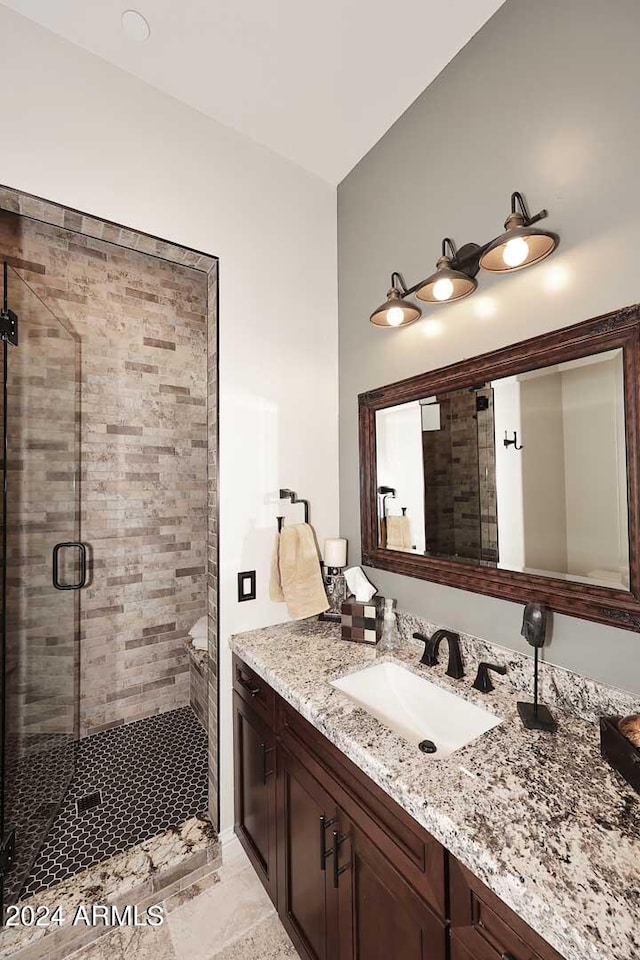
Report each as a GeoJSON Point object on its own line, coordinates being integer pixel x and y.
{"type": "Point", "coordinates": [490, 944]}
{"type": "Point", "coordinates": [254, 691]}
{"type": "Point", "coordinates": [483, 928]}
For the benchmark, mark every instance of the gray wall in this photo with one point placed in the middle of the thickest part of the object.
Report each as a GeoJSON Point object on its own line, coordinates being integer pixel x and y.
{"type": "Point", "coordinates": [543, 99]}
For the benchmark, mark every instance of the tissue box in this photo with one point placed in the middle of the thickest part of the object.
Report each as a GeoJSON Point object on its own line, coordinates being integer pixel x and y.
{"type": "Point", "coordinates": [362, 622]}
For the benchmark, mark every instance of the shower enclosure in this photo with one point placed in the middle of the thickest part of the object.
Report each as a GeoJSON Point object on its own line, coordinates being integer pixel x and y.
{"type": "Point", "coordinates": [43, 568]}
{"type": "Point", "coordinates": [109, 430]}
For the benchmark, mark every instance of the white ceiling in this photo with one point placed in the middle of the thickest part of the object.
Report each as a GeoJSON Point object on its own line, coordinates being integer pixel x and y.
{"type": "Point", "coordinates": [317, 83]}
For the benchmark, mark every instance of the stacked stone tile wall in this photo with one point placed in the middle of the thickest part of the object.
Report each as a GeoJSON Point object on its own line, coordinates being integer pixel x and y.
{"type": "Point", "coordinates": [140, 329]}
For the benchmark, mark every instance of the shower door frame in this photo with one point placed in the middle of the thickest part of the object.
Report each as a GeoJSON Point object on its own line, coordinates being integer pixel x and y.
{"type": "Point", "coordinates": [7, 841]}
{"type": "Point", "coordinates": [57, 751]}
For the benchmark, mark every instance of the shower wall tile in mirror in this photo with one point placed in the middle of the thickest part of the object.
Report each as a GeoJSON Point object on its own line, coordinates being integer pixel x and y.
{"type": "Point", "coordinates": [525, 473]}
{"type": "Point", "coordinates": [141, 368]}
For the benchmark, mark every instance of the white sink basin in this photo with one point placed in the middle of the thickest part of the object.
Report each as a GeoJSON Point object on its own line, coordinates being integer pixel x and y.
{"type": "Point", "coordinates": [415, 708]}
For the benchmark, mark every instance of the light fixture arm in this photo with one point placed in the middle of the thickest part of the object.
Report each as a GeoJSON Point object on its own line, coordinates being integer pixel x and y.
{"type": "Point", "coordinates": [453, 253]}
{"type": "Point", "coordinates": [397, 283]}
{"type": "Point", "coordinates": [517, 200]}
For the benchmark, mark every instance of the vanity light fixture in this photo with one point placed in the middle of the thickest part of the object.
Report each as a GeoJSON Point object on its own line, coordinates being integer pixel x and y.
{"type": "Point", "coordinates": [522, 244]}
{"type": "Point", "coordinates": [451, 281]}
{"type": "Point", "coordinates": [397, 311]}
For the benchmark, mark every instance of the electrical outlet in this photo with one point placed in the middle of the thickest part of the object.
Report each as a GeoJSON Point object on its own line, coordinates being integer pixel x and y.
{"type": "Point", "coordinates": [246, 585]}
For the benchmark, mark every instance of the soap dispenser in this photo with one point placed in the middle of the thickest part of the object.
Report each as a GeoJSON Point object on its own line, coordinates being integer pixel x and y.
{"type": "Point", "coordinates": [390, 640]}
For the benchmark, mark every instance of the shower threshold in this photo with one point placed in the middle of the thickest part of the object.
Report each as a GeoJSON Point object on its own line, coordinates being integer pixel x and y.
{"type": "Point", "coordinates": [144, 874]}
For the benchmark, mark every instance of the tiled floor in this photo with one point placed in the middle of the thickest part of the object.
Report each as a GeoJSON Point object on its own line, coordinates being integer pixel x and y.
{"type": "Point", "coordinates": [227, 916]}
{"type": "Point", "coordinates": [152, 774]}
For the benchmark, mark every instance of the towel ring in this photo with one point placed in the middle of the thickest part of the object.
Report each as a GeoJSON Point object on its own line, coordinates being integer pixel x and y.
{"type": "Point", "coordinates": [294, 498]}
{"type": "Point", "coordinates": [385, 492]}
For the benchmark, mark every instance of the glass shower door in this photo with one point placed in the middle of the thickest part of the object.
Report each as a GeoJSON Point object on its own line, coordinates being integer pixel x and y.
{"type": "Point", "coordinates": [43, 566]}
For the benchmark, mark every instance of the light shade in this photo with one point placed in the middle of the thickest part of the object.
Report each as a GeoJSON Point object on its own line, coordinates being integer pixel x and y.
{"type": "Point", "coordinates": [396, 312]}
{"type": "Point", "coordinates": [446, 284]}
{"type": "Point", "coordinates": [521, 245]}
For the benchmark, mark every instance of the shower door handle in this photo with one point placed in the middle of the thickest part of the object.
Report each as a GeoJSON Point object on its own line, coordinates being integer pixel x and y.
{"type": "Point", "coordinates": [83, 565]}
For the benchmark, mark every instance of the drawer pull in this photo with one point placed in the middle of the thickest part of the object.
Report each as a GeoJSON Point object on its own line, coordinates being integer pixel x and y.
{"type": "Point", "coordinates": [324, 854]}
{"type": "Point", "coordinates": [265, 773]}
{"type": "Point", "coordinates": [254, 691]}
{"type": "Point", "coordinates": [337, 841]}
{"type": "Point", "coordinates": [507, 956]}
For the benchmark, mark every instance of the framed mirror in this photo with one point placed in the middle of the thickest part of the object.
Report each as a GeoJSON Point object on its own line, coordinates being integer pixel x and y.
{"type": "Point", "coordinates": [514, 474]}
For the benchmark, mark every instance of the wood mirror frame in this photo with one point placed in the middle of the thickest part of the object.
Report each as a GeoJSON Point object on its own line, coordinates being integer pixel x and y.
{"type": "Point", "coordinates": [610, 605]}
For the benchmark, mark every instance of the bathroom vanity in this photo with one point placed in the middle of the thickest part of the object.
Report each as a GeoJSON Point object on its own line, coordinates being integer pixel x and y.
{"type": "Point", "coordinates": [517, 846]}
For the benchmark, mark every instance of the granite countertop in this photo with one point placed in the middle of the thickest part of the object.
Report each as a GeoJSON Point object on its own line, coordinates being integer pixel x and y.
{"type": "Point", "coordinates": [542, 820]}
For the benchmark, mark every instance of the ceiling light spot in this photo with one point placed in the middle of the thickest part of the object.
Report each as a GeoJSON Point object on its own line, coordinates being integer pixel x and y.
{"type": "Point", "coordinates": [135, 26]}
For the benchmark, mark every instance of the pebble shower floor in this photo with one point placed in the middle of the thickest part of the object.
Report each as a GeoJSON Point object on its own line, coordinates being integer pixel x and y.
{"type": "Point", "coordinates": [152, 775]}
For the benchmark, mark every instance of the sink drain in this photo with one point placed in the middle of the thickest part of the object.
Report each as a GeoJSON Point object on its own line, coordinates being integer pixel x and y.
{"type": "Point", "coordinates": [427, 746]}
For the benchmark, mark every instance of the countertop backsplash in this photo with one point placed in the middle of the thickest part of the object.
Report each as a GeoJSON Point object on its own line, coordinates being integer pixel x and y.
{"type": "Point", "coordinates": [571, 692]}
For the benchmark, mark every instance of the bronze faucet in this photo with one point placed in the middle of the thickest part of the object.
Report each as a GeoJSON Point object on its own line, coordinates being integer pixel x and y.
{"type": "Point", "coordinates": [432, 647]}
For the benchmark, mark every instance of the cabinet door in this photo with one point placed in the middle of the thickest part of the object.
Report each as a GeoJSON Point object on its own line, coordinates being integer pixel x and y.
{"type": "Point", "coordinates": [307, 901]}
{"type": "Point", "coordinates": [255, 792]}
{"type": "Point", "coordinates": [380, 915]}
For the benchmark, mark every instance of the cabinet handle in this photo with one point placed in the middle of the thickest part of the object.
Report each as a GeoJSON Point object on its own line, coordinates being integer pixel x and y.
{"type": "Point", "coordinates": [324, 854]}
{"type": "Point", "coordinates": [254, 691]}
{"type": "Point", "coordinates": [337, 841]}
{"type": "Point", "coordinates": [507, 956]}
{"type": "Point", "coordinates": [265, 773]}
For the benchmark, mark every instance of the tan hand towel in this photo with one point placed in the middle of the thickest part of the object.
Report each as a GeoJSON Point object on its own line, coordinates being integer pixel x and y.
{"type": "Point", "coordinates": [275, 585]}
{"type": "Point", "coordinates": [398, 533]}
{"type": "Point", "coordinates": [299, 568]}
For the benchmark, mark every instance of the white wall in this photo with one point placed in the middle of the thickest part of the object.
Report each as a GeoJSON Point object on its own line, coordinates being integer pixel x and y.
{"type": "Point", "coordinates": [564, 496]}
{"type": "Point", "coordinates": [595, 470]}
{"type": "Point", "coordinates": [80, 132]}
{"type": "Point", "coordinates": [543, 472]}
{"type": "Point", "coordinates": [400, 464]}
{"type": "Point", "coordinates": [509, 488]}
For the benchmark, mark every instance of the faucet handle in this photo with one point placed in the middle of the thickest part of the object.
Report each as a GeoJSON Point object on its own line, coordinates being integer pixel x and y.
{"type": "Point", "coordinates": [483, 680]}
{"type": "Point", "coordinates": [429, 658]}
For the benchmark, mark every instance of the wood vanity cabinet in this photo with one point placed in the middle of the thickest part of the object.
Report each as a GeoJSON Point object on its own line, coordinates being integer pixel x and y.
{"type": "Point", "coordinates": [352, 875]}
